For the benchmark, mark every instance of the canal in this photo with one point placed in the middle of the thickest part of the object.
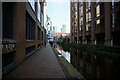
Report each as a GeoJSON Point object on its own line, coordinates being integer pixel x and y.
{"type": "Point", "coordinates": [65, 54]}
{"type": "Point", "coordinates": [95, 65]}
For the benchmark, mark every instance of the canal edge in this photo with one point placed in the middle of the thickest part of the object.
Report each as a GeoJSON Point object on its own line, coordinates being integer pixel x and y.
{"type": "Point", "coordinates": [68, 69]}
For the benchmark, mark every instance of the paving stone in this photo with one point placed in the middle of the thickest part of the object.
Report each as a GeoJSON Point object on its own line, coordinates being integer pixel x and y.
{"type": "Point", "coordinates": [42, 64]}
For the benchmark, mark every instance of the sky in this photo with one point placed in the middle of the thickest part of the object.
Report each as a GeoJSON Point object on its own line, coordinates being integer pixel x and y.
{"type": "Point", "coordinates": [59, 13]}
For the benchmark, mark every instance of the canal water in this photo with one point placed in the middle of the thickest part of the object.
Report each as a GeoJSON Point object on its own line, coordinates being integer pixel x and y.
{"type": "Point", "coordinates": [92, 65]}
{"type": "Point", "coordinates": [65, 54]}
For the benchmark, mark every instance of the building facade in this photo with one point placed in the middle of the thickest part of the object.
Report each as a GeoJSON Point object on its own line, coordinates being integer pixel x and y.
{"type": "Point", "coordinates": [63, 29]}
{"type": "Point", "coordinates": [95, 22]}
{"type": "Point", "coordinates": [50, 35]}
{"type": "Point", "coordinates": [23, 32]}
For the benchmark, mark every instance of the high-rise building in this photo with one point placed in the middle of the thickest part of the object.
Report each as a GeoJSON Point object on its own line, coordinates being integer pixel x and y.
{"type": "Point", "coordinates": [63, 29]}
{"type": "Point", "coordinates": [54, 29]}
{"type": "Point", "coordinates": [50, 25]}
{"type": "Point", "coordinates": [95, 22]}
{"type": "Point", "coordinates": [50, 35]}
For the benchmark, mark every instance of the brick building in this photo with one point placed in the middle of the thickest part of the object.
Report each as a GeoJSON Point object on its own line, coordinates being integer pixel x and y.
{"type": "Point", "coordinates": [23, 32]}
{"type": "Point", "coordinates": [95, 22]}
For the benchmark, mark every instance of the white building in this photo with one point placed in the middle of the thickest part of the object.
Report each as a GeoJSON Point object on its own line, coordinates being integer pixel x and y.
{"type": "Point", "coordinates": [50, 35]}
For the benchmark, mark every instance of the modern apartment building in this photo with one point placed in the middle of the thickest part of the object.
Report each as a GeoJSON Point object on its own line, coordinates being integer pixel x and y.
{"type": "Point", "coordinates": [23, 32]}
{"type": "Point", "coordinates": [95, 22]}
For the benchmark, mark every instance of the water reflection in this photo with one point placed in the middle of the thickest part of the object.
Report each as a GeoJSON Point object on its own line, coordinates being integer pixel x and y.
{"type": "Point", "coordinates": [93, 65]}
{"type": "Point", "coordinates": [65, 54]}
{"type": "Point", "coordinates": [96, 66]}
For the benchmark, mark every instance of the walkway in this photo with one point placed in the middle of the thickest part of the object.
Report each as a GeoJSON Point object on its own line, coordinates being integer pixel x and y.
{"type": "Point", "coordinates": [42, 64]}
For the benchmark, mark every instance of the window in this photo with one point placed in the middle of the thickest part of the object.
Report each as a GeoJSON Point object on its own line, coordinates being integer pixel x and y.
{"type": "Point", "coordinates": [98, 21]}
{"type": "Point", "coordinates": [89, 27]}
{"type": "Point", "coordinates": [89, 4]}
{"type": "Point", "coordinates": [86, 17]}
{"type": "Point", "coordinates": [7, 20]}
{"type": "Point", "coordinates": [76, 13]}
{"type": "Point", "coordinates": [98, 10]}
{"type": "Point", "coordinates": [86, 6]}
{"type": "Point", "coordinates": [7, 59]}
{"type": "Point", "coordinates": [80, 28]}
{"type": "Point", "coordinates": [89, 14]}
{"type": "Point", "coordinates": [81, 3]}
{"type": "Point", "coordinates": [29, 50]}
{"type": "Point", "coordinates": [81, 21]}
{"type": "Point", "coordinates": [86, 27]}
{"type": "Point", "coordinates": [30, 27]}
{"type": "Point", "coordinates": [41, 19]}
{"type": "Point", "coordinates": [81, 11]}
